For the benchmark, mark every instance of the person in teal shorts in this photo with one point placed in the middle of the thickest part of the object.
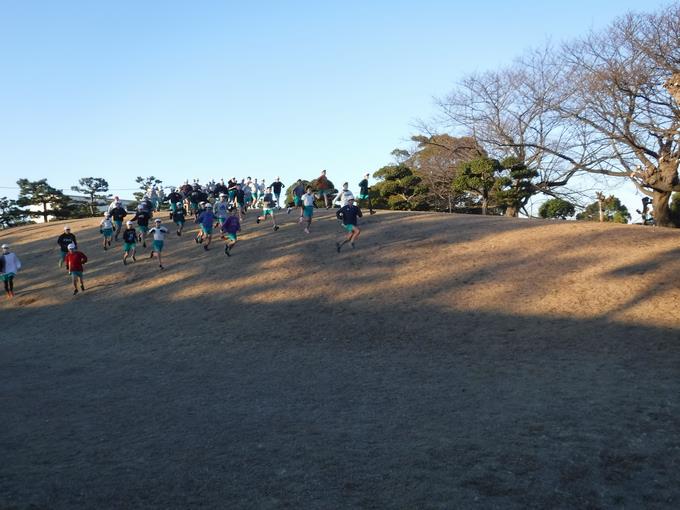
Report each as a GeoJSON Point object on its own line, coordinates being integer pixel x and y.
{"type": "Point", "coordinates": [268, 205]}
{"type": "Point", "coordinates": [159, 232]}
{"type": "Point", "coordinates": [129, 243]}
{"type": "Point", "coordinates": [106, 229]}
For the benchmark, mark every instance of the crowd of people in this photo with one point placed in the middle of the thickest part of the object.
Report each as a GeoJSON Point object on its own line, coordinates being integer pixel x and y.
{"type": "Point", "coordinates": [219, 208]}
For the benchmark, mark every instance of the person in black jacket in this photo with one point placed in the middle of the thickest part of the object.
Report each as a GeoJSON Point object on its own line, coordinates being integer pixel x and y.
{"type": "Point", "coordinates": [349, 215]}
{"type": "Point", "coordinates": [364, 193]}
{"type": "Point", "coordinates": [117, 215]}
{"type": "Point", "coordinates": [63, 241]}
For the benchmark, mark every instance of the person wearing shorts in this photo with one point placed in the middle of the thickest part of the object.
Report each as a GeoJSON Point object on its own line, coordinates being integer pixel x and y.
{"type": "Point", "coordinates": [106, 229]}
{"type": "Point", "coordinates": [307, 201]}
{"type": "Point", "coordinates": [297, 193]}
{"type": "Point", "coordinates": [117, 215]}
{"type": "Point", "coordinates": [230, 229]}
{"type": "Point", "coordinates": [277, 186]}
{"type": "Point", "coordinates": [324, 188]}
{"type": "Point", "coordinates": [129, 243]}
{"type": "Point", "coordinates": [364, 193]}
{"type": "Point", "coordinates": [159, 232]}
{"type": "Point", "coordinates": [349, 215]}
{"type": "Point", "coordinates": [268, 205]}
{"type": "Point", "coordinates": [178, 216]}
{"type": "Point", "coordinates": [74, 264]}
{"type": "Point", "coordinates": [206, 220]}
{"type": "Point", "coordinates": [142, 218]}
{"type": "Point", "coordinates": [9, 267]}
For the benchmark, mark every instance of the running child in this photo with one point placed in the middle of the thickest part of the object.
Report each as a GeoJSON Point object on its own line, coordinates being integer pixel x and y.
{"type": "Point", "coordinates": [324, 188]}
{"type": "Point", "coordinates": [277, 186]}
{"type": "Point", "coordinates": [63, 241]}
{"type": "Point", "coordinates": [117, 214]}
{"type": "Point", "coordinates": [74, 264]}
{"type": "Point", "coordinates": [230, 228]}
{"type": "Point", "coordinates": [364, 193]}
{"type": "Point", "coordinates": [297, 193]}
{"type": "Point", "coordinates": [206, 220]}
{"type": "Point", "coordinates": [9, 267]}
{"type": "Point", "coordinates": [178, 216]}
{"type": "Point", "coordinates": [129, 243]}
{"type": "Point", "coordinates": [159, 232]}
{"type": "Point", "coordinates": [349, 215]}
{"type": "Point", "coordinates": [142, 217]}
{"type": "Point", "coordinates": [344, 195]}
{"type": "Point", "coordinates": [106, 229]}
{"type": "Point", "coordinates": [268, 206]}
{"type": "Point", "coordinates": [307, 208]}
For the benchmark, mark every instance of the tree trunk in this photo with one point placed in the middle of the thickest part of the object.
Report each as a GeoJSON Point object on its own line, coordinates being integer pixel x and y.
{"type": "Point", "coordinates": [512, 211]}
{"type": "Point", "coordinates": [661, 208]}
{"type": "Point", "coordinates": [485, 204]}
{"type": "Point", "coordinates": [45, 212]}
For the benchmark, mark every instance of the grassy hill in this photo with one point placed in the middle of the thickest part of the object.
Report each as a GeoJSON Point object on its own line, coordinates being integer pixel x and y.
{"type": "Point", "coordinates": [448, 361]}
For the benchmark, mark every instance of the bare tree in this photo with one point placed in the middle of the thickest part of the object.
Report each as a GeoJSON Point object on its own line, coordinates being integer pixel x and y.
{"type": "Point", "coordinates": [613, 101]}
{"type": "Point", "coordinates": [508, 112]}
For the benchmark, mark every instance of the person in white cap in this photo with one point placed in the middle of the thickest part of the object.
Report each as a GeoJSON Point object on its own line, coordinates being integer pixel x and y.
{"type": "Point", "coordinates": [129, 242]}
{"type": "Point", "coordinates": [159, 232]}
{"type": "Point", "coordinates": [221, 209]}
{"type": "Point", "coordinates": [74, 264]}
{"type": "Point", "coordinates": [344, 196]}
{"type": "Point", "coordinates": [63, 241]}
{"type": "Point", "coordinates": [106, 229]}
{"type": "Point", "coordinates": [9, 267]}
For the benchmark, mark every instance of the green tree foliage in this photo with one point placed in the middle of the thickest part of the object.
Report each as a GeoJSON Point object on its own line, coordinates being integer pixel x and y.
{"type": "Point", "coordinates": [10, 214]}
{"type": "Point", "coordinates": [52, 200]}
{"type": "Point", "coordinates": [519, 186]}
{"type": "Point", "coordinates": [607, 209]}
{"type": "Point", "coordinates": [93, 187]}
{"type": "Point", "coordinates": [556, 208]}
{"type": "Point", "coordinates": [482, 178]}
{"type": "Point", "coordinates": [144, 184]}
{"type": "Point", "coordinates": [399, 189]}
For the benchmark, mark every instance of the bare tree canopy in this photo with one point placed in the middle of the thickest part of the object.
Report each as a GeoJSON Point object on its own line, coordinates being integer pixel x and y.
{"type": "Point", "coordinates": [604, 104]}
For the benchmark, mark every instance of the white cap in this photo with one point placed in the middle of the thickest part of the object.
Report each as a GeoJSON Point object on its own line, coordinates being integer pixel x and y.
{"type": "Point", "coordinates": [71, 246]}
{"type": "Point", "coordinates": [5, 246]}
{"type": "Point", "coordinates": [128, 222]}
{"type": "Point", "coordinates": [67, 227]}
{"type": "Point", "coordinates": [107, 214]}
{"type": "Point", "coordinates": [157, 220]}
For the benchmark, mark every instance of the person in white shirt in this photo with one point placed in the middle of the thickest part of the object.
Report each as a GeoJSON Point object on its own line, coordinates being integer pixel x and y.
{"type": "Point", "coordinates": [343, 196]}
{"type": "Point", "coordinates": [159, 232]}
{"type": "Point", "coordinates": [9, 267]}
{"type": "Point", "coordinates": [307, 208]}
{"type": "Point", "coordinates": [106, 229]}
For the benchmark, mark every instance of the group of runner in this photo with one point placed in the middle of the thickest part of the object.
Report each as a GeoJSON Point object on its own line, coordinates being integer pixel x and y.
{"type": "Point", "coordinates": [213, 206]}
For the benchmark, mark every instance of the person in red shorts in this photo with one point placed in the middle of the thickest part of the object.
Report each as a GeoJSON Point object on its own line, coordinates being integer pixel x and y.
{"type": "Point", "coordinates": [74, 264]}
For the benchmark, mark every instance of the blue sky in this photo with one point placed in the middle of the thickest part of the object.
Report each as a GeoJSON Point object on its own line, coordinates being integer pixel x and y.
{"type": "Point", "coordinates": [184, 90]}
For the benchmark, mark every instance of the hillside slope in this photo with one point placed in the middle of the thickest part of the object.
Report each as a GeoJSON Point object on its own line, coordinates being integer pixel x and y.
{"type": "Point", "coordinates": [447, 361]}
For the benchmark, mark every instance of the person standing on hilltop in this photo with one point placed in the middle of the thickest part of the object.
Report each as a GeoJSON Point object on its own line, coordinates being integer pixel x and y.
{"type": "Point", "coordinates": [74, 264]}
{"type": "Point", "coordinates": [324, 188]}
{"type": "Point", "coordinates": [9, 267]}
{"type": "Point", "coordinates": [364, 193]}
{"type": "Point", "coordinates": [349, 215]}
{"type": "Point", "coordinates": [63, 241]}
